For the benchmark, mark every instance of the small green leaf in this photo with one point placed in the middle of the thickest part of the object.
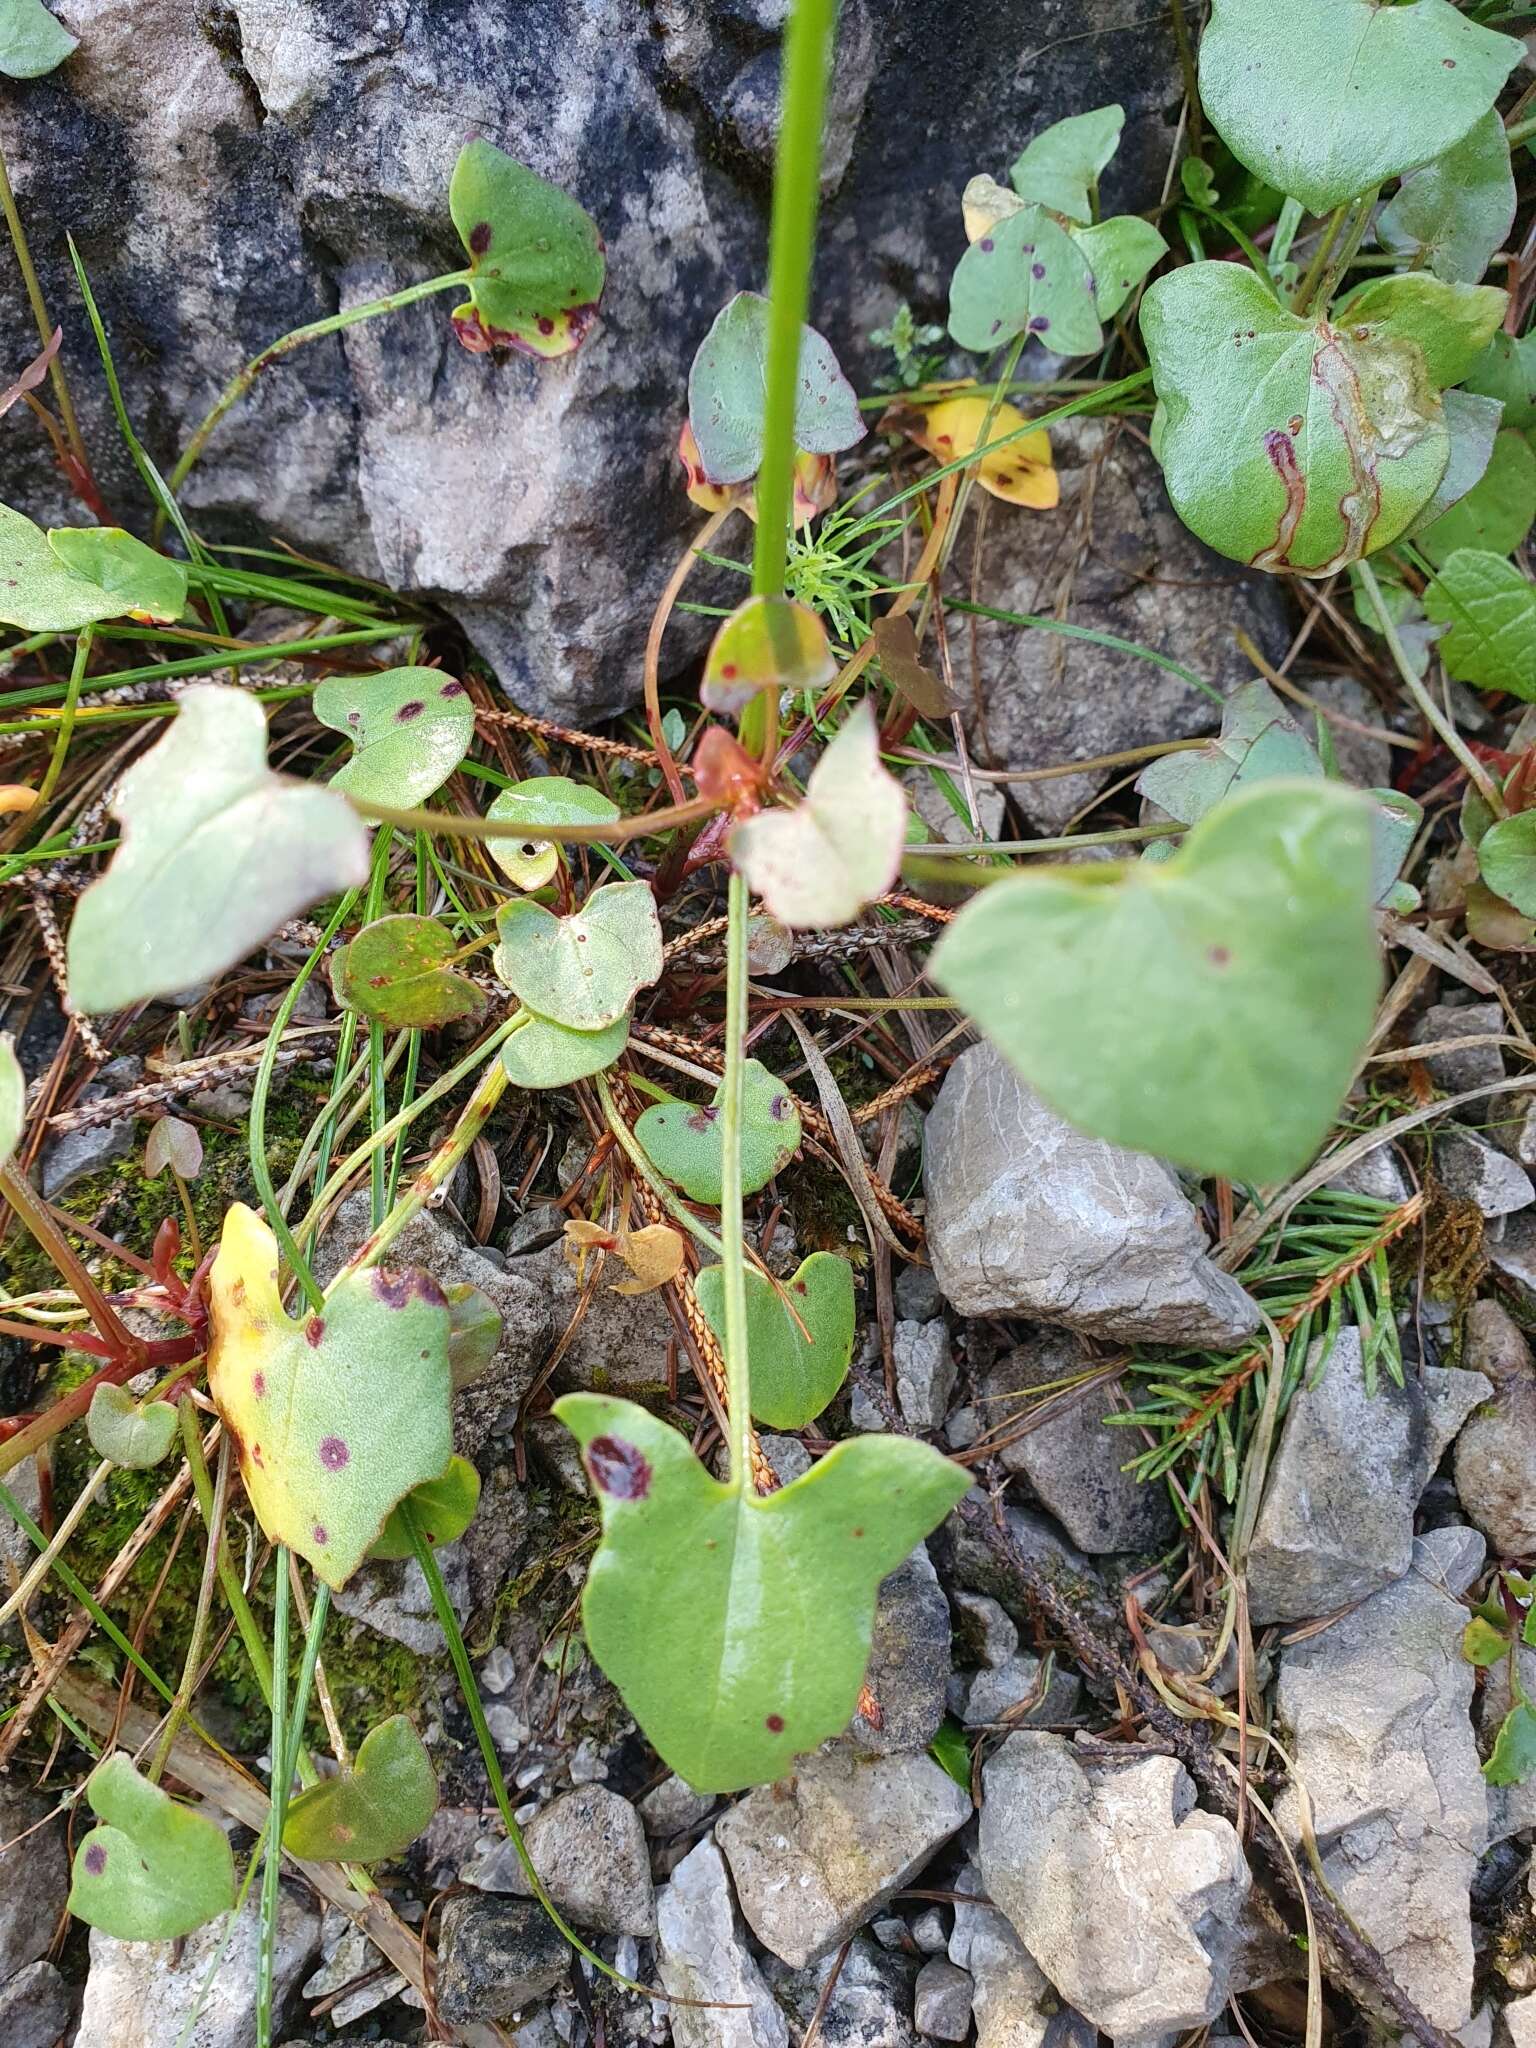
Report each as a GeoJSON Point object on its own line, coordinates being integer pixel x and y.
{"type": "Point", "coordinates": [129, 1435]}
{"type": "Point", "coordinates": [536, 258]}
{"type": "Point", "coordinates": [1489, 611]}
{"type": "Point", "coordinates": [1026, 275]}
{"type": "Point", "coordinates": [543, 1054]}
{"type": "Point", "coordinates": [1455, 213]}
{"type": "Point", "coordinates": [153, 1870]}
{"type": "Point", "coordinates": [1310, 96]}
{"type": "Point", "coordinates": [581, 971]}
{"type": "Point", "coordinates": [726, 394]}
{"type": "Point", "coordinates": [1253, 960]}
{"type": "Point", "coordinates": [951, 1750]}
{"type": "Point", "coordinates": [474, 1335]}
{"type": "Point", "coordinates": [543, 800]}
{"type": "Point", "coordinates": [1506, 370]}
{"type": "Point", "coordinates": [372, 1812]}
{"type": "Point", "coordinates": [1528, 1631]}
{"type": "Point", "coordinates": [737, 1626]}
{"type": "Point", "coordinates": [175, 1144]}
{"type": "Point", "coordinates": [1484, 1642]}
{"type": "Point", "coordinates": [1059, 168]}
{"type": "Point", "coordinates": [795, 1374]}
{"type": "Point", "coordinates": [37, 592]}
{"type": "Point", "coordinates": [13, 1098]}
{"type": "Point", "coordinates": [395, 971]}
{"type": "Point", "coordinates": [1506, 855]}
{"type": "Point", "coordinates": [1120, 252]}
{"type": "Point", "coordinates": [216, 852]}
{"type": "Point", "coordinates": [767, 643]}
{"type": "Point", "coordinates": [410, 727]}
{"type": "Point", "coordinates": [1514, 1748]}
{"type": "Point", "coordinates": [1473, 424]}
{"type": "Point", "coordinates": [840, 847]}
{"type": "Point", "coordinates": [144, 582]}
{"type": "Point", "coordinates": [1305, 444]}
{"type": "Point", "coordinates": [1259, 740]}
{"type": "Point", "coordinates": [443, 1507]}
{"type": "Point", "coordinates": [335, 1416]}
{"type": "Point", "coordinates": [682, 1139]}
{"type": "Point", "coordinates": [1395, 823]}
{"type": "Point", "coordinates": [1497, 512]}
{"type": "Point", "coordinates": [32, 41]}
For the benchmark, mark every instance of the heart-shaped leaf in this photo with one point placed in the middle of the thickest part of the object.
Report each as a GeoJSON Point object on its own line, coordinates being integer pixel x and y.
{"type": "Point", "coordinates": [1259, 740]}
{"type": "Point", "coordinates": [1450, 324]}
{"type": "Point", "coordinates": [543, 800]}
{"type": "Point", "coordinates": [737, 1626]}
{"type": "Point", "coordinates": [410, 728]}
{"type": "Point", "coordinates": [1506, 854]}
{"type": "Point", "coordinates": [815, 488]}
{"type": "Point", "coordinates": [1294, 443]}
{"type": "Point", "coordinates": [1488, 608]}
{"type": "Point", "coordinates": [373, 1811]}
{"type": "Point", "coordinates": [1311, 96]}
{"type": "Point", "coordinates": [536, 259]}
{"type": "Point", "coordinates": [581, 971]}
{"type": "Point", "coordinates": [173, 1143]}
{"type": "Point", "coordinates": [1506, 370]}
{"type": "Point", "coordinates": [1020, 474]}
{"type": "Point", "coordinates": [1026, 276]}
{"type": "Point", "coordinates": [1497, 512]}
{"type": "Point", "coordinates": [1120, 252]}
{"type": "Point", "coordinates": [153, 1869]}
{"type": "Point", "coordinates": [147, 584]}
{"type": "Point", "coordinates": [900, 664]}
{"type": "Point", "coordinates": [682, 1139]}
{"type": "Point", "coordinates": [840, 847]}
{"type": "Point", "coordinates": [336, 1416]}
{"type": "Point", "coordinates": [795, 1372]}
{"type": "Point", "coordinates": [395, 971]}
{"type": "Point", "coordinates": [216, 852]}
{"type": "Point", "coordinates": [129, 1435]}
{"type": "Point", "coordinates": [443, 1507]}
{"type": "Point", "coordinates": [1455, 213]}
{"type": "Point", "coordinates": [474, 1335]}
{"type": "Point", "coordinates": [13, 1097]}
{"type": "Point", "coordinates": [726, 388]}
{"type": "Point", "coordinates": [1059, 168]}
{"type": "Point", "coordinates": [543, 1054]}
{"type": "Point", "coordinates": [32, 41]}
{"type": "Point", "coordinates": [37, 592]}
{"type": "Point", "coordinates": [1513, 1757]}
{"type": "Point", "coordinates": [767, 643]}
{"type": "Point", "coordinates": [1253, 961]}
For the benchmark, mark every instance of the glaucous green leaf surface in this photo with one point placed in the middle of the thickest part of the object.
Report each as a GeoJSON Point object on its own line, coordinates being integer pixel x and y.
{"type": "Point", "coordinates": [153, 1869]}
{"type": "Point", "coordinates": [173, 1143]}
{"type": "Point", "coordinates": [1026, 275]}
{"type": "Point", "coordinates": [543, 800]}
{"type": "Point", "coordinates": [409, 728]}
{"type": "Point", "coordinates": [1473, 424]}
{"type": "Point", "coordinates": [544, 1054]}
{"type": "Point", "coordinates": [726, 386]}
{"type": "Point", "coordinates": [1513, 1757]}
{"type": "Point", "coordinates": [1259, 740]}
{"type": "Point", "coordinates": [128, 1434]}
{"type": "Point", "coordinates": [583, 970]}
{"type": "Point", "coordinates": [145, 582]}
{"type": "Point", "coordinates": [536, 258]}
{"type": "Point", "coordinates": [1119, 251]}
{"type": "Point", "coordinates": [474, 1338]}
{"type": "Point", "coordinates": [767, 643]}
{"type": "Point", "coordinates": [1506, 370]}
{"type": "Point", "coordinates": [795, 1372]}
{"type": "Point", "coordinates": [682, 1139]}
{"type": "Point", "coordinates": [335, 1416]}
{"type": "Point", "coordinates": [37, 592]}
{"type": "Point", "coordinates": [1450, 324]}
{"type": "Point", "coordinates": [32, 41]}
{"type": "Point", "coordinates": [1497, 512]}
{"type": "Point", "coordinates": [840, 847]}
{"type": "Point", "coordinates": [737, 1626]}
{"type": "Point", "coordinates": [1288, 443]}
{"type": "Point", "coordinates": [1488, 609]}
{"type": "Point", "coordinates": [395, 972]}
{"type": "Point", "coordinates": [443, 1507]}
{"type": "Point", "coordinates": [1455, 212]}
{"type": "Point", "coordinates": [216, 852]}
{"type": "Point", "coordinates": [1314, 96]}
{"type": "Point", "coordinates": [1506, 854]}
{"type": "Point", "coordinates": [371, 1812]}
{"type": "Point", "coordinates": [1252, 957]}
{"type": "Point", "coordinates": [13, 1097]}
{"type": "Point", "coordinates": [1059, 168]}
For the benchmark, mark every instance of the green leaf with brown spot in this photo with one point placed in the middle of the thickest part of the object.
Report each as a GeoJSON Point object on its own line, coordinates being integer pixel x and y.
{"type": "Point", "coordinates": [537, 266]}
{"type": "Point", "coordinates": [543, 800]}
{"type": "Point", "coordinates": [372, 1812]}
{"type": "Point", "coordinates": [153, 1870]}
{"type": "Point", "coordinates": [726, 386]}
{"type": "Point", "coordinates": [1026, 275]}
{"type": "Point", "coordinates": [737, 1626]}
{"type": "Point", "coordinates": [396, 972]}
{"type": "Point", "coordinates": [799, 1342]}
{"type": "Point", "coordinates": [682, 1139]}
{"type": "Point", "coordinates": [410, 728]}
{"type": "Point", "coordinates": [767, 643]}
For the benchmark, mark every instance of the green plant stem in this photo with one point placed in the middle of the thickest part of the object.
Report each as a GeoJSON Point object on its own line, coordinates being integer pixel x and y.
{"type": "Point", "coordinates": [1481, 780]}
{"type": "Point", "coordinates": [733, 1259]}
{"type": "Point", "coordinates": [1120, 836]}
{"type": "Point", "coordinates": [272, 1865]}
{"type": "Point", "coordinates": [229, 1578]}
{"type": "Point", "coordinates": [243, 379]}
{"type": "Point", "coordinates": [239, 656]}
{"type": "Point", "coordinates": [454, 825]}
{"type": "Point", "coordinates": [1521, 131]}
{"type": "Point", "coordinates": [1319, 261]}
{"type": "Point", "coordinates": [1348, 246]}
{"type": "Point", "coordinates": [625, 1137]}
{"type": "Point", "coordinates": [55, 766]}
{"type": "Point", "coordinates": [36, 1216]}
{"type": "Point", "coordinates": [187, 1415]}
{"type": "Point", "coordinates": [319, 1613]}
{"type": "Point", "coordinates": [1292, 214]}
{"type": "Point", "coordinates": [39, 307]}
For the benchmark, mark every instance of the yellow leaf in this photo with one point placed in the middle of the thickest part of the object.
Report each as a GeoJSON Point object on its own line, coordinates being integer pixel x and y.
{"type": "Point", "coordinates": [1020, 474]}
{"type": "Point", "coordinates": [653, 1255]}
{"type": "Point", "coordinates": [984, 203]}
{"type": "Point", "coordinates": [815, 484]}
{"type": "Point", "coordinates": [15, 796]}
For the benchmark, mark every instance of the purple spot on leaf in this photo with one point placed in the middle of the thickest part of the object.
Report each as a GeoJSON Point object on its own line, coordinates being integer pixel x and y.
{"type": "Point", "coordinates": [333, 1453]}
{"type": "Point", "coordinates": [987, 244]}
{"type": "Point", "coordinates": [479, 238]}
{"type": "Point", "coordinates": [95, 1859]}
{"type": "Point", "coordinates": [1037, 270]}
{"type": "Point", "coordinates": [258, 1384]}
{"type": "Point", "coordinates": [454, 689]}
{"type": "Point", "coordinates": [314, 1332]}
{"type": "Point", "coordinates": [618, 1468]}
{"type": "Point", "coordinates": [774, 1723]}
{"type": "Point", "coordinates": [701, 1119]}
{"type": "Point", "coordinates": [409, 711]}
{"type": "Point", "coordinates": [321, 1534]}
{"type": "Point", "coordinates": [396, 1289]}
{"type": "Point", "coordinates": [1039, 324]}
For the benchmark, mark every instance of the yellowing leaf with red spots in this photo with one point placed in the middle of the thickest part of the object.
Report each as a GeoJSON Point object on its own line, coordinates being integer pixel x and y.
{"type": "Point", "coordinates": [334, 1416]}
{"type": "Point", "coordinates": [535, 258]}
{"type": "Point", "coordinates": [767, 643]}
{"type": "Point", "coordinates": [1020, 474]}
{"type": "Point", "coordinates": [815, 483]}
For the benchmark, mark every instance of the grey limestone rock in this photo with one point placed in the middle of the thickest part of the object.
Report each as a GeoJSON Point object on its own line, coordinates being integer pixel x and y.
{"type": "Point", "coordinates": [702, 1953]}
